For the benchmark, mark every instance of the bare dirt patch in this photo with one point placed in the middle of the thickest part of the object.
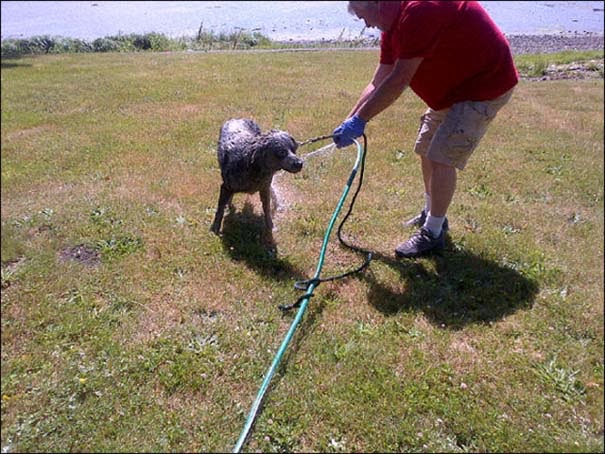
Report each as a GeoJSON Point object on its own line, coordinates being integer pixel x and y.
{"type": "Point", "coordinates": [82, 254]}
{"type": "Point", "coordinates": [9, 269]}
{"type": "Point", "coordinates": [29, 132]}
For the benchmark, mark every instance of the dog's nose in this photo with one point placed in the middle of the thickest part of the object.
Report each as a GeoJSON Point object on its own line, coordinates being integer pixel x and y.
{"type": "Point", "coordinates": [298, 164]}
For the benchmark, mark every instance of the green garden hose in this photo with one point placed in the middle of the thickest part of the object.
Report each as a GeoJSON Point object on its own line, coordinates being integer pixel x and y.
{"type": "Point", "coordinates": [304, 300]}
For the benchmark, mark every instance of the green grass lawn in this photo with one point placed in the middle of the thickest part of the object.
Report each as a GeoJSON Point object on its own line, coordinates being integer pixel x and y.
{"type": "Point", "coordinates": [156, 335]}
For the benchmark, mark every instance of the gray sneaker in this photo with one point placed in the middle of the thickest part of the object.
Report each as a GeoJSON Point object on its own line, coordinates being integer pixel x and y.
{"type": "Point", "coordinates": [420, 243]}
{"type": "Point", "coordinates": [418, 221]}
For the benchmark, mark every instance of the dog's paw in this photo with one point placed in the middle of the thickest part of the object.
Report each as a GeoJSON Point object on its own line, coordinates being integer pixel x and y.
{"type": "Point", "coordinates": [270, 249]}
{"type": "Point", "coordinates": [268, 240]}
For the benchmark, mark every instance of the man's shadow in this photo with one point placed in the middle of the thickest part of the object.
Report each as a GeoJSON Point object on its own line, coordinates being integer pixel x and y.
{"type": "Point", "coordinates": [452, 289]}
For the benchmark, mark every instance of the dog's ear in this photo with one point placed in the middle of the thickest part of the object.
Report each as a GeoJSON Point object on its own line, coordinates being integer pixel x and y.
{"type": "Point", "coordinates": [288, 141]}
{"type": "Point", "coordinates": [283, 139]}
{"type": "Point", "coordinates": [294, 144]}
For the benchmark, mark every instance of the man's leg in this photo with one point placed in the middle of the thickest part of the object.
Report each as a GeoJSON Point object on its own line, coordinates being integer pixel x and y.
{"type": "Point", "coordinates": [445, 176]}
{"type": "Point", "coordinates": [442, 187]}
{"type": "Point", "coordinates": [429, 123]}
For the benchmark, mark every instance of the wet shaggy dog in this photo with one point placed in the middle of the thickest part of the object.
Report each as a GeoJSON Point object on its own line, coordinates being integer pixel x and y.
{"type": "Point", "coordinates": [248, 160]}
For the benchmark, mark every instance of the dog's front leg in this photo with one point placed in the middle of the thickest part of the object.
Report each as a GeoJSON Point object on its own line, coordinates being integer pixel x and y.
{"type": "Point", "coordinates": [224, 198]}
{"type": "Point", "coordinates": [265, 198]}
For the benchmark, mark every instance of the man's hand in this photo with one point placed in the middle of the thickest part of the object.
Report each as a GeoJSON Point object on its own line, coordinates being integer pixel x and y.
{"type": "Point", "coordinates": [350, 129]}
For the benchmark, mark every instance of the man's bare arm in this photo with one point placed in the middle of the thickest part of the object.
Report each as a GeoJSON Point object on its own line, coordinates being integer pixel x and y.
{"type": "Point", "coordinates": [391, 87]}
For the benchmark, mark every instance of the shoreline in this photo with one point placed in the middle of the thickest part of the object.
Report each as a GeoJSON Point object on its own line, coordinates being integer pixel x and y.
{"type": "Point", "coordinates": [520, 43]}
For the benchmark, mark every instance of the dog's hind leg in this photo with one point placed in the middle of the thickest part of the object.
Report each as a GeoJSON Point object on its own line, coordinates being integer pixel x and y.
{"type": "Point", "coordinates": [224, 199]}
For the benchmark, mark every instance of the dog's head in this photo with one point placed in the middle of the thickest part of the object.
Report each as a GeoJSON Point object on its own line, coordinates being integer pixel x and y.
{"type": "Point", "coordinates": [279, 152]}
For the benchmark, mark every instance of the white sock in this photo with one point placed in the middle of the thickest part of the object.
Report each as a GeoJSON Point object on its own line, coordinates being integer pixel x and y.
{"type": "Point", "coordinates": [434, 224]}
{"type": "Point", "coordinates": [427, 203]}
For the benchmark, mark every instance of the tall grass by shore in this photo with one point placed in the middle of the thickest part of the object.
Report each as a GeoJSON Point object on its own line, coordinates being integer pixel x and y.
{"type": "Point", "coordinates": [128, 327]}
{"type": "Point", "coordinates": [240, 39]}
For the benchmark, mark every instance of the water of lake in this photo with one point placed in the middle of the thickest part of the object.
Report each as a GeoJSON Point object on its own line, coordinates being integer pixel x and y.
{"type": "Point", "coordinates": [279, 20]}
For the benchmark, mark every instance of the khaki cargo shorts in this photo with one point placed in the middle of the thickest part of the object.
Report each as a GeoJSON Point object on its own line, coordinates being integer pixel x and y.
{"type": "Point", "coordinates": [450, 136]}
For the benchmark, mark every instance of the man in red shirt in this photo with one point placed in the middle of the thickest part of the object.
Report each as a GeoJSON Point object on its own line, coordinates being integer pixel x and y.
{"type": "Point", "coordinates": [454, 57]}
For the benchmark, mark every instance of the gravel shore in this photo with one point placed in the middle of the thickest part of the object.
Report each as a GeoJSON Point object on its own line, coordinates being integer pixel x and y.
{"type": "Point", "coordinates": [520, 44]}
{"type": "Point", "coordinates": [537, 44]}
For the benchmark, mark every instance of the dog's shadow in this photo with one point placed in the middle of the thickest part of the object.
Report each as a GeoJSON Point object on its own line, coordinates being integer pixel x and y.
{"type": "Point", "coordinates": [242, 240]}
{"type": "Point", "coordinates": [454, 289]}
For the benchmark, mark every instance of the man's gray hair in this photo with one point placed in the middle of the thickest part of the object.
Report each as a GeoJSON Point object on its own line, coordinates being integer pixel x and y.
{"type": "Point", "coordinates": [353, 5]}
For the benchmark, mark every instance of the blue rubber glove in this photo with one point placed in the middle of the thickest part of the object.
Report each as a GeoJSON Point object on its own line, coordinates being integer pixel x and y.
{"type": "Point", "coordinates": [350, 129]}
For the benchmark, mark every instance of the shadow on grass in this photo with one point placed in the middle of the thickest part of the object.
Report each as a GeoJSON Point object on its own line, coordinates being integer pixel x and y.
{"type": "Point", "coordinates": [242, 232]}
{"type": "Point", "coordinates": [241, 239]}
{"type": "Point", "coordinates": [453, 289]}
{"type": "Point", "coordinates": [9, 62]}
{"type": "Point", "coordinates": [460, 289]}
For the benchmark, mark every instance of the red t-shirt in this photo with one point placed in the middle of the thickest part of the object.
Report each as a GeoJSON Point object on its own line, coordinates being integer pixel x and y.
{"type": "Point", "coordinates": [466, 56]}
